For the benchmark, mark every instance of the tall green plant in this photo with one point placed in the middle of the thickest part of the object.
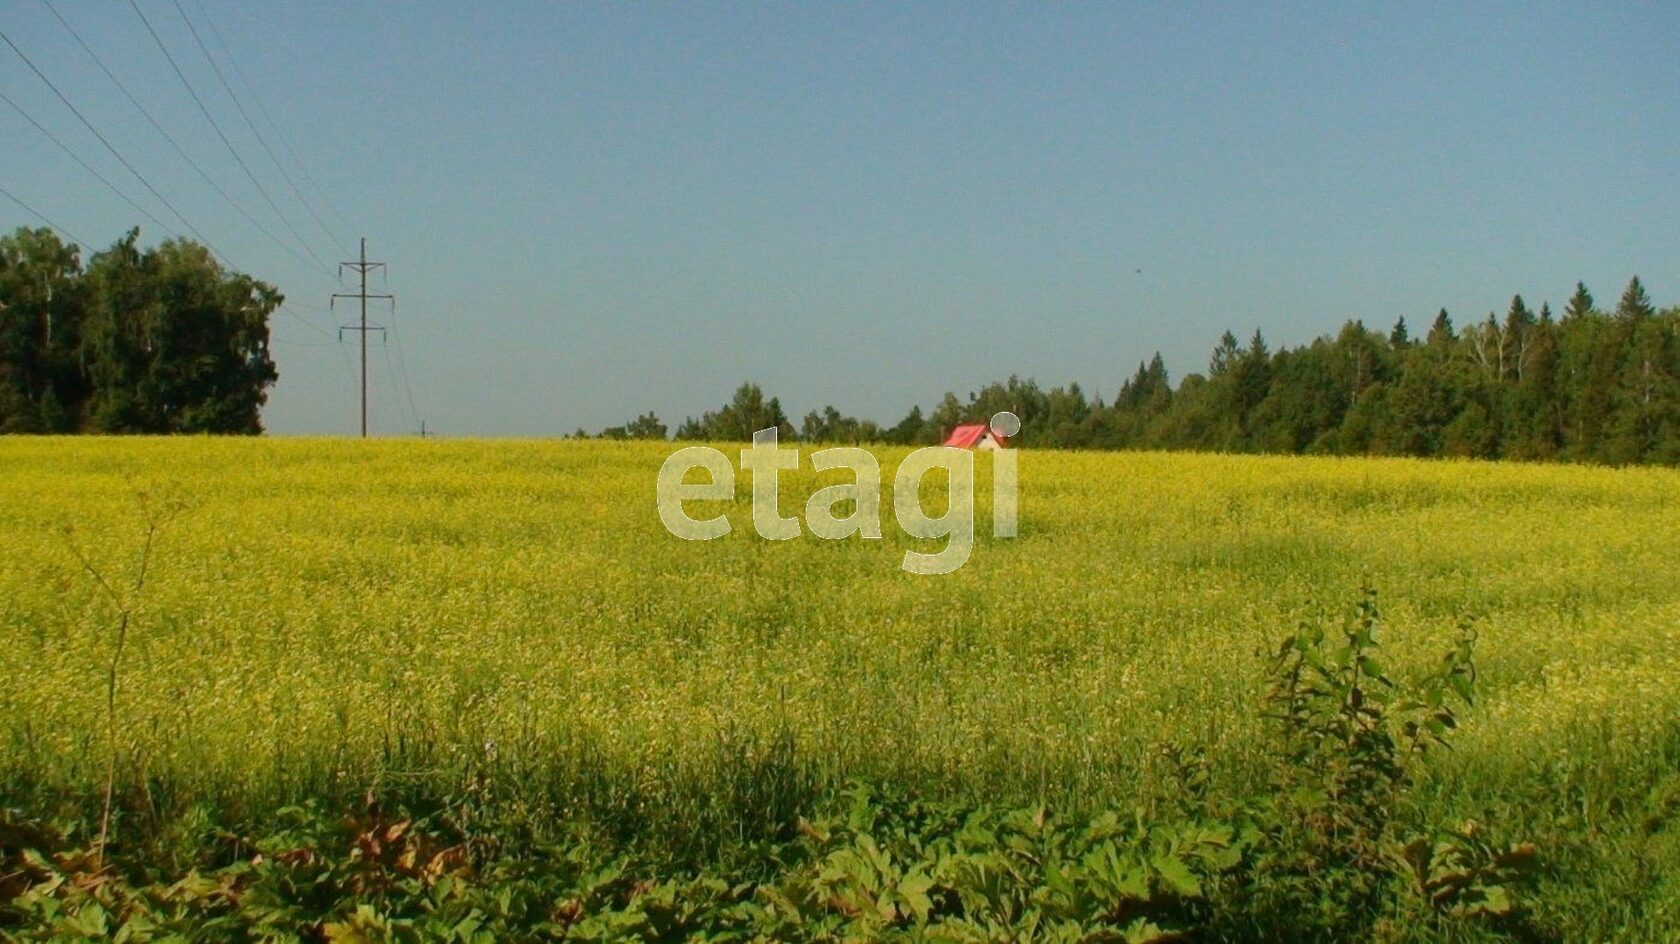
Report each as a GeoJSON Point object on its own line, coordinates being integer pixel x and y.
{"type": "Point", "coordinates": [1340, 847]}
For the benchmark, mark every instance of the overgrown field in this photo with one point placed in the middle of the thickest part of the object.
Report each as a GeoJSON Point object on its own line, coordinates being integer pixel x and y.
{"type": "Point", "coordinates": [501, 639]}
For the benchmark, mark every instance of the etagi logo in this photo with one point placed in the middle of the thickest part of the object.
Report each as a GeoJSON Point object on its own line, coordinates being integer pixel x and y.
{"type": "Point", "coordinates": [862, 494]}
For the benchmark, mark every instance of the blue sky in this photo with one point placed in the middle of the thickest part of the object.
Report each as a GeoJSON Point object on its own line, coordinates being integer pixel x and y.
{"type": "Point", "coordinates": [590, 211]}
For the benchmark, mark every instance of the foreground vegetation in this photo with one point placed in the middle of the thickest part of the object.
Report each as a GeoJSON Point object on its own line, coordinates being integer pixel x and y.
{"type": "Point", "coordinates": [430, 689]}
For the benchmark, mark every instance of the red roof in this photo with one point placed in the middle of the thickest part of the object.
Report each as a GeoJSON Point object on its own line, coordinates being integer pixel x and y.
{"type": "Point", "coordinates": [969, 435]}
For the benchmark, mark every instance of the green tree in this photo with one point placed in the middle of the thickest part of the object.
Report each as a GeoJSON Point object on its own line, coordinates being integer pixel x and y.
{"type": "Point", "coordinates": [1303, 404]}
{"type": "Point", "coordinates": [1400, 336]}
{"type": "Point", "coordinates": [1635, 305]}
{"type": "Point", "coordinates": [1646, 398]}
{"type": "Point", "coordinates": [1640, 400]}
{"type": "Point", "coordinates": [42, 386]}
{"type": "Point", "coordinates": [1215, 413]}
{"type": "Point", "coordinates": [1517, 336]}
{"type": "Point", "coordinates": [1580, 304]}
{"type": "Point", "coordinates": [832, 426]}
{"type": "Point", "coordinates": [1535, 416]}
{"type": "Point", "coordinates": [1426, 396]}
{"type": "Point", "coordinates": [746, 413]}
{"type": "Point", "coordinates": [690, 430]}
{"type": "Point", "coordinates": [1441, 331]}
{"type": "Point", "coordinates": [1224, 356]}
{"type": "Point", "coordinates": [160, 340]}
{"type": "Point", "coordinates": [1588, 358]}
{"type": "Point", "coordinates": [949, 412]}
{"type": "Point", "coordinates": [1143, 398]}
{"type": "Point", "coordinates": [1251, 380]}
{"type": "Point", "coordinates": [1471, 434]}
{"type": "Point", "coordinates": [645, 426]}
{"type": "Point", "coordinates": [210, 368]}
{"type": "Point", "coordinates": [913, 430]}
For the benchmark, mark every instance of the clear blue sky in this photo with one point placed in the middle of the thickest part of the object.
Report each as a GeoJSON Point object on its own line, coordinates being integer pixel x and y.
{"type": "Point", "coordinates": [594, 210]}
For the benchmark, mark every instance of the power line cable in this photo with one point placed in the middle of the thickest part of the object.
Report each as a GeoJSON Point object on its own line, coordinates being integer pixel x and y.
{"type": "Point", "coordinates": [288, 308]}
{"type": "Point", "coordinates": [323, 332]}
{"type": "Point", "coordinates": [311, 326]}
{"type": "Point", "coordinates": [402, 361]}
{"type": "Point", "coordinates": [135, 171]}
{"type": "Point", "coordinates": [109, 147]}
{"type": "Point", "coordinates": [391, 369]}
{"type": "Point", "coordinates": [240, 107]}
{"type": "Point", "coordinates": [158, 126]}
{"type": "Point", "coordinates": [118, 191]}
{"type": "Point", "coordinates": [402, 366]}
{"type": "Point", "coordinates": [224, 138]}
{"type": "Point", "coordinates": [88, 167]}
{"type": "Point", "coordinates": [127, 199]}
{"type": "Point", "coordinates": [262, 109]}
{"type": "Point", "coordinates": [43, 218]}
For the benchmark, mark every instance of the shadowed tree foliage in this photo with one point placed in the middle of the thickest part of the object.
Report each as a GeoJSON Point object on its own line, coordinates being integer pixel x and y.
{"type": "Point", "coordinates": [43, 298]}
{"type": "Point", "coordinates": [160, 340]}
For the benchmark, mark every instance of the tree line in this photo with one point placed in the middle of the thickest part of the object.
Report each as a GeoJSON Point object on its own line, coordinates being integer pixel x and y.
{"type": "Point", "coordinates": [1590, 385]}
{"type": "Point", "coordinates": [165, 340]}
{"type": "Point", "coordinates": [159, 340]}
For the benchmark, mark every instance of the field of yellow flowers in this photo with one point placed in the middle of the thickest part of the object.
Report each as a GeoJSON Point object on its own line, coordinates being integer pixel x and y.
{"type": "Point", "coordinates": [322, 617]}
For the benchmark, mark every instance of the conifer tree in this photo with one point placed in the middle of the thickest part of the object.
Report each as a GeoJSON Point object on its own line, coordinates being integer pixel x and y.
{"type": "Point", "coordinates": [1580, 304]}
{"type": "Point", "coordinates": [1400, 337]}
{"type": "Point", "coordinates": [1635, 305]}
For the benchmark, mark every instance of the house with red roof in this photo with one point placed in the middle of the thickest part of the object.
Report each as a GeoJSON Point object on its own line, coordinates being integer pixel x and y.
{"type": "Point", "coordinates": [976, 436]}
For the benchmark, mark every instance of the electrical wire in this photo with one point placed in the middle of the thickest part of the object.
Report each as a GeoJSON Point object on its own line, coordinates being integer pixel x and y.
{"type": "Point", "coordinates": [112, 148]}
{"type": "Point", "coordinates": [88, 167]}
{"type": "Point", "coordinates": [118, 191]}
{"type": "Point", "coordinates": [285, 142]}
{"type": "Point", "coordinates": [402, 367]}
{"type": "Point", "coordinates": [126, 163]}
{"type": "Point", "coordinates": [158, 126]}
{"type": "Point", "coordinates": [228, 87]}
{"type": "Point", "coordinates": [262, 109]}
{"type": "Point", "coordinates": [43, 218]}
{"type": "Point", "coordinates": [288, 309]}
{"type": "Point", "coordinates": [318, 345]}
{"type": "Point", "coordinates": [224, 138]}
{"type": "Point", "coordinates": [395, 335]}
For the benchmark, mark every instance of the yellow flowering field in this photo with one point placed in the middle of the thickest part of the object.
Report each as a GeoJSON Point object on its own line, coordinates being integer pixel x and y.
{"type": "Point", "coordinates": [320, 615]}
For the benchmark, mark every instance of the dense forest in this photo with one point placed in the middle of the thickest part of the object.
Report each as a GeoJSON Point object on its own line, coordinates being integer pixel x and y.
{"type": "Point", "coordinates": [159, 340]}
{"type": "Point", "coordinates": [1589, 385]}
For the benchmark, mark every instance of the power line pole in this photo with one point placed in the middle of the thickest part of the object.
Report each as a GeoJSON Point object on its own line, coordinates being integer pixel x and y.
{"type": "Point", "coordinates": [362, 267]}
